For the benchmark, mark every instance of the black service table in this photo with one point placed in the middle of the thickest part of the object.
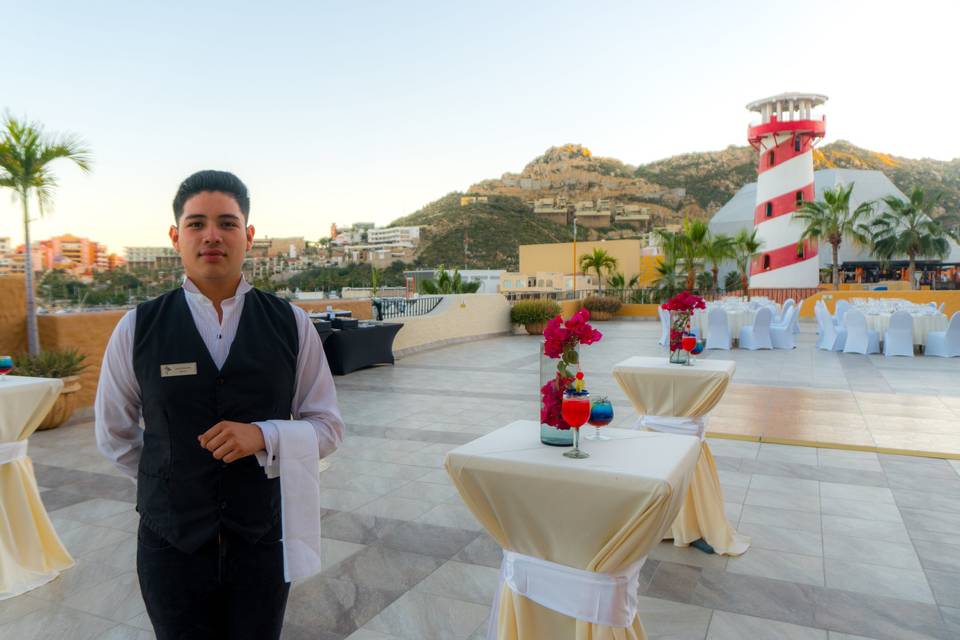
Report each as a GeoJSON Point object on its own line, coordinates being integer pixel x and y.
{"type": "Point", "coordinates": [351, 349]}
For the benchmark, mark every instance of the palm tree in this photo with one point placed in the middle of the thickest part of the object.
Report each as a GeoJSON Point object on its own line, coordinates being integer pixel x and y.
{"type": "Point", "coordinates": [619, 283]}
{"type": "Point", "coordinates": [599, 260]}
{"type": "Point", "coordinates": [718, 248]}
{"type": "Point", "coordinates": [832, 221]}
{"type": "Point", "coordinates": [908, 228]}
{"type": "Point", "coordinates": [448, 284]}
{"type": "Point", "coordinates": [746, 246]}
{"type": "Point", "coordinates": [26, 154]}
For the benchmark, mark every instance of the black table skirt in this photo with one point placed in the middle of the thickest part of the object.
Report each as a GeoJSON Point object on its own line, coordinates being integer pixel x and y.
{"type": "Point", "coordinates": [351, 349]}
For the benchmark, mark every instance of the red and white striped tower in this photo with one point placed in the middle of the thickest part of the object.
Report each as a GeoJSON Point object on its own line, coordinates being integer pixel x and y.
{"type": "Point", "coordinates": [784, 139]}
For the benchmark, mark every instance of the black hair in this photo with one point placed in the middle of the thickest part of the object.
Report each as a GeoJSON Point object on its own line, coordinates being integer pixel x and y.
{"type": "Point", "coordinates": [211, 180]}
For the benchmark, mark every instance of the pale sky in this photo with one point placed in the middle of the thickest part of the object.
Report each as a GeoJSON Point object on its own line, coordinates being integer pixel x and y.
{"type": "Point", "coordinates": [365, 111]}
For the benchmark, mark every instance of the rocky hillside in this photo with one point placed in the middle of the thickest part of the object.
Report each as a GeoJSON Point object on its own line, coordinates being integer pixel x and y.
{"type": "Point", "coordinates": [691, 184]}
{"type": "Point", "coordinates": [482, 235]}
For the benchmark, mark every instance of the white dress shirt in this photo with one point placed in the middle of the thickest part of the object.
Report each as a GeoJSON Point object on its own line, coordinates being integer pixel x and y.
{"type": "Point", "coordinates": [118, 404]}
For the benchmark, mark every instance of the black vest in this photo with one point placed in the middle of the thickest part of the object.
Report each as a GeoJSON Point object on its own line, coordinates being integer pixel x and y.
{"type": "Point", "coordinates": [183, 493]}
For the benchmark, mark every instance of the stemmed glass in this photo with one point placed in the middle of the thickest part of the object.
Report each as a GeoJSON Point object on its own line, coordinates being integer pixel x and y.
{"type": "Point", "coordinates": [575, 411]}
{"type": "Point", "coordinates": [6, 366]}
{"type": "Point", "coordinates": [601, 414]}
{"type": "Point", "coordinates": [688, 343]}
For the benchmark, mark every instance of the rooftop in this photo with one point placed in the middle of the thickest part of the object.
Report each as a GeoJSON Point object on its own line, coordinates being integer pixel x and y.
{"type": "Point", "coordinates": [846, 544]}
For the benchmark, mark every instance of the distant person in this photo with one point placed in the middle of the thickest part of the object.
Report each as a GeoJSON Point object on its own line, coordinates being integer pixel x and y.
{"type": "Point", "coordinates": [217, 369]}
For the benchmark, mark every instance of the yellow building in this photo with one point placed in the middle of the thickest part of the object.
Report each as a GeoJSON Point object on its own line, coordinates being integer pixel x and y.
{"type": "Point", "coordinates": [633, 257]}
{"type": "Point", "coordinates": [543, 282]}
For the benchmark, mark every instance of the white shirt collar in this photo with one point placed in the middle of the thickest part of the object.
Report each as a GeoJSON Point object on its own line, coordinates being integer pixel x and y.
{"type": "Point", "coordinates": [190, 288]}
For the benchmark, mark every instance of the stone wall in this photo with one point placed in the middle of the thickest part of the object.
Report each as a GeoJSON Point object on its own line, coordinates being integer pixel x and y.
{"type": "Point", "coordinates": [13, 315]}
{"type": "Point", "coordinates": [457, 318]}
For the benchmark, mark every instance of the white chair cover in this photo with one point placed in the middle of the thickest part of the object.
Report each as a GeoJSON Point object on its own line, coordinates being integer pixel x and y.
{"type": "Point", "coordinates": [718, 332]}
{"type": "Point", "coordinates": [945, 344]}
{"type": "Point", "coordinates": [758, 335]}
{"type": "Point", "coordinates": [787, 305]}
{"type": "Point", "coordinates": [664, 326]}
{"type": "Point", "coordinates": [859, 338]}
{"type": "Point", "coordinates": [796, 318]}
{"type": "Point", "coordinates": [898, 340]}
{"type": "Point", "coordinates": [782, 335]}
{"type": "Point", "coordinates": [831, 338]}
{"type": "Point", "coordinates": [842, 306]}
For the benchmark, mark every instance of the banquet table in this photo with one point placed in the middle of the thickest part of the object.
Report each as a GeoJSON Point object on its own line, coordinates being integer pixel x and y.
{"type": "Point", "coordinates": [658, 389]}
{"type": "Point", "coordinates": [568, 526]}
{"type": "Point", "coordinates": [922, 324]}
{"type": "Point", "coordinates": [31, 554]}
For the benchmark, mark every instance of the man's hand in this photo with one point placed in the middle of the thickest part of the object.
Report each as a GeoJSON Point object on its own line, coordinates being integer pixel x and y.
{"type": "Point", "coordinates": [231, 441]}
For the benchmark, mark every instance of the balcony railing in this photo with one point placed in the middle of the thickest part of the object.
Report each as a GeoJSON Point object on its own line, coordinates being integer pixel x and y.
{"type": "Point", "coordinates": [390, 308]}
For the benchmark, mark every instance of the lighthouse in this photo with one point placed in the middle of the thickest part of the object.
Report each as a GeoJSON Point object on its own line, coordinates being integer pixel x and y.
{"type": "Point", "coordinates": [784, 140]}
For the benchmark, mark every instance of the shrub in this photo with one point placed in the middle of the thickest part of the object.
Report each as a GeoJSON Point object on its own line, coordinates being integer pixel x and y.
{"type": "Point", "coordinates": [603, 304]}
{"type": "Point", "coordinates": [532, 311]}
{"type": "Point", "coordinates": [54, 363]}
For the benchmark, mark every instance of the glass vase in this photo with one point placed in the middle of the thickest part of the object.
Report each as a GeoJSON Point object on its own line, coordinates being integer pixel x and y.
{"type": "Point", "coordinates": [548, 375]}
{"type": "Point", "coordinates": [679, 326]}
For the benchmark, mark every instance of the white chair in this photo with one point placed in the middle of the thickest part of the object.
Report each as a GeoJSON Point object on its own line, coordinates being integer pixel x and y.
{"type": "Point", "coordinates": [945, 344]}
{"type": "Point", "coordinates": [718, 330]}
{"type": "Point", "coordinates": [664, 326]}
{"type": "Point", "coordinates": [940, 308]}
{"type": "Point", "coordinates": [796, 318]}
{"type": "Point", "coordinates": [898, 340]}
{"type": "Point", "coordinates": [860, 339]}
{"type": "Point", "coordinates": [841, 308]}
{"type": "Point", "coordinates": [831, 337]}
{"type": "Point", "coordinates": [787, 305]}
{"type": "Point", "coordinates": [782, 334]}
{"type": "Point", "coordinates": [758, 336]}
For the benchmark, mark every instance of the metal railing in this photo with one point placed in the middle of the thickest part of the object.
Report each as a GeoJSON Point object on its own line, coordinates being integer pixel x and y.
{"type": "Point", "coordinates": [390, 308]}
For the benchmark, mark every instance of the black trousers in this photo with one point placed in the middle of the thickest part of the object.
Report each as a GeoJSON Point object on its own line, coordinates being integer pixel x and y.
{"type": "Point", "coordinates": [229, 589]}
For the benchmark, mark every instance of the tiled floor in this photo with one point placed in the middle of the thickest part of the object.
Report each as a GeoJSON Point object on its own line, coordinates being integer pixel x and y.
{"type": "Point", "coordinates": [846, 544]}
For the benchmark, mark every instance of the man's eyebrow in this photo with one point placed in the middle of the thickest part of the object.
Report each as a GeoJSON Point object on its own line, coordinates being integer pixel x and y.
{"type": "Point", "coordinates": [203, 216]}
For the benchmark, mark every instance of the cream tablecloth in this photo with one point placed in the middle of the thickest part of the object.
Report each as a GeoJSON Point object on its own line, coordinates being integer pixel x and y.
{"type": "Point", "coordinates": [922, 325]}
{"type": "Point", "coordinates": [656, 387]}
{"type": "Point", "coordinates": [601, 514]}
{"type": "Point", "coordinates": [31, 554]}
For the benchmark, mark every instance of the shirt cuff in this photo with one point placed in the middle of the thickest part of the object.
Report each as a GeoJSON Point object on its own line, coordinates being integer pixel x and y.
{"type": "Point", "coordinates": [268, 457]}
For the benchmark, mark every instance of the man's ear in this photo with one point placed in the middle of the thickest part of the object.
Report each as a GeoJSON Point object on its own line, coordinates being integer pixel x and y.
{"type": "Point", "coordinates": [175, 237]}
{"type": "Point", "coordinates": [250, 232]}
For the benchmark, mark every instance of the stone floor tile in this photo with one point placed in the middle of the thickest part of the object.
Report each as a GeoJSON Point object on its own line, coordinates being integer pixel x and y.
{"type": "Point", "coordinates": [860, 509]}
{"type": "Point", "coordinates": [858, 528]}
{"type": "Point", "coordinates": [733, 626]}
{"type": "Point", "coordinates": [760, 597]}
{"type": "Point", "coordinates": [878, 617]}
{"type": "Point", "coordinates": [856, 493]}
{"type": "Point", "coordinates": [461, 581]}
{"type": "Point", "coordinates": [774, 538]}
{"type": "Point", "coordinates": [420, 616]}
{"type": "Point", "coordinates": [335, 606]}
{"type": "Point", "coordinates": [451, 515]}
{"type": "Point", "coordinates": [396, 508]}
{"type": "Point", "coordinates": [377, 567]}
{"type": "Point", "coordinates": [878, 580]}
{"type": "Point", "coordinates": [786, 500]}
{"type": "Point", "coordinates": [692, 556]}
{"type": "Point", "coordinates": [664, 619]}
{"type": "Point", "coordinates": [483, 551]}
{"type": "Point", "coordinates": [803, 520]}
{"type": "Point", "coordinates": [779, 565]}
{"type": "Point", "coordinates": [55, 623]}
{"type": "Point", "coordinates": [887, 554]}
{"type": "Point", "coordinates": [126, 632]}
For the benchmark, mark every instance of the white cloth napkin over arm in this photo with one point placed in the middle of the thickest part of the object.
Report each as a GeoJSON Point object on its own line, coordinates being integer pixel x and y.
{"type": "Point", "coordinates": [297, 463]}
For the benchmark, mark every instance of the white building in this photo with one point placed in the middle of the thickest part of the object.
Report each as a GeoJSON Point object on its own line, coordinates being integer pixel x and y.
{"type": "Point", "coordinates": [149, 254]}
{"type": "Point", "coordinates": [489, 279]}
{"type": "Point", "coordinates": [5, 246]}
{"type": "Point", "coordinates": [393, 235]}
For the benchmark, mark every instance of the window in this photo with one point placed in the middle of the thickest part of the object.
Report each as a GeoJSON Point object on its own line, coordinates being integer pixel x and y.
{"type": "Point", "coordinates": [508, 284]}
{"type": "Point", "coordinates": [766, 262]}
{"type": "Point", "coordinates": [769, 209]}
{"type": "Point", "coordinates": [799, 198]}
{"type": "Point", "coordinates": [796, 144]}
{"type": "Point", "coordinates": [770, 159]}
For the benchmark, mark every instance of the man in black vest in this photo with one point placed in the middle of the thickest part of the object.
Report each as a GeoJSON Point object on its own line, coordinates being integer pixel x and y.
{"type": "Point", "coordinates": [216, 369]}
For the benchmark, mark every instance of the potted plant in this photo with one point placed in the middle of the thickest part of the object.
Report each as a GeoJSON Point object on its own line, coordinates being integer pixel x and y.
{"type": "Point", "coordinates": [66, 364]}
{"type": "Point", "coordinates": [534, 314]}
{"type": "Point", "coordinates": [602, 307]}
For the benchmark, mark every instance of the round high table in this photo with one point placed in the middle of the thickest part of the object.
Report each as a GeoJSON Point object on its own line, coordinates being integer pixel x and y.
{"type": "Point", "coordinates": [31, 554]}
{"type": "Point", "coordinates": [660, 389]}
{"type": "Point", "coordinates": [575, 533]}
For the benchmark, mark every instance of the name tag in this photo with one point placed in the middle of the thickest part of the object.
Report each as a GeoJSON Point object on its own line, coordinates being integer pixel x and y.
{"type": "Point", "coordinates": [178, 369]}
